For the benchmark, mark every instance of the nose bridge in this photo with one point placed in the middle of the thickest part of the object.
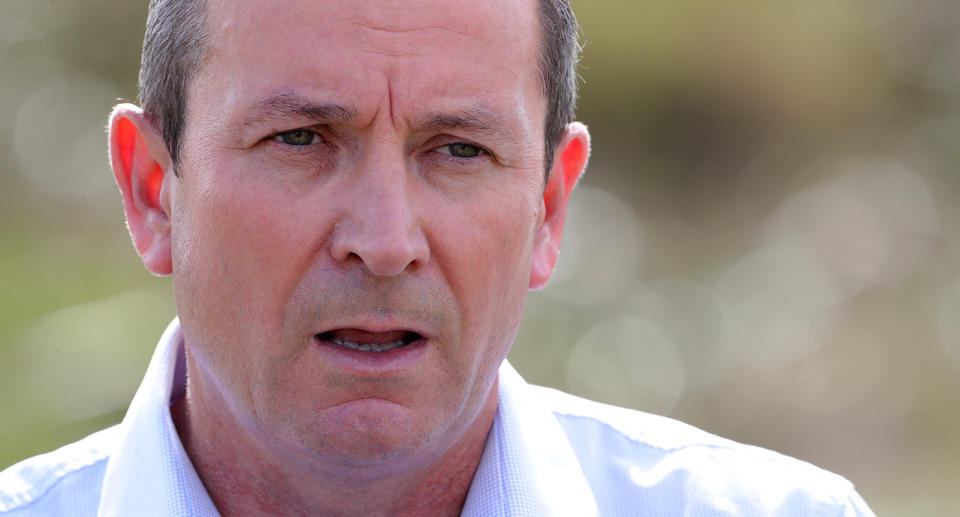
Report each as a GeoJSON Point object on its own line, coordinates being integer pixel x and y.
{"type": "Point", "coordinates": [381, 228]}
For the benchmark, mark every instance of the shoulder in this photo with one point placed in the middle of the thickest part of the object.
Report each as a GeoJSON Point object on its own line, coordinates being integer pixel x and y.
{"type": "Point", "coordinates": [631, 458]}
{"type": "Point", "coordinates": [66, 481]}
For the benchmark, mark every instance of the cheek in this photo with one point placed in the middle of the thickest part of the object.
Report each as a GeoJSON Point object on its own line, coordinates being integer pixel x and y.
{"type": "Point", "coordinates": [241, 237]}
{"type": "Point", "coordinates": [484, 250]}
{"type": "Point", "coordinates": [237, 255]}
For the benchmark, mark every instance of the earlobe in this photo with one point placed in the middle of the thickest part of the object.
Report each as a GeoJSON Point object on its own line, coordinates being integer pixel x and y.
{"type": "Point", "coordinates": [142, 168]}
{"type": "Point", "coordinates": [569, 163]}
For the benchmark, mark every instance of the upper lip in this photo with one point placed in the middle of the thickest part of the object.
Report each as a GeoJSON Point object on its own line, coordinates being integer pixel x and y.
{"type": "Point", "coordinates": [377, 327]}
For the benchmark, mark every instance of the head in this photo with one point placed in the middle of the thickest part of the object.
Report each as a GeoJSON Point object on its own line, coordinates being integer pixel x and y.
{"type": "Point", "coordinates": [359, 211]}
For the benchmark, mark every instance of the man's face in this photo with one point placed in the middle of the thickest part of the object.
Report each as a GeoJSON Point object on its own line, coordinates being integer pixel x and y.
{"type": "Point", "coordinates": [357, 176]}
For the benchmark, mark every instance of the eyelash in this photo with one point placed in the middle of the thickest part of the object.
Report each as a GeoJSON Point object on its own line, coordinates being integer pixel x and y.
{"type": "Point", "coordinates": [317, 138]}
{"type": "Point", "coordinates": [479, 150]}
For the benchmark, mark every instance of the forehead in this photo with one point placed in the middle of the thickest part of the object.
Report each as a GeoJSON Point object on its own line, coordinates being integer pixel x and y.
{"type": "Point", "coordinates": [411, 56]}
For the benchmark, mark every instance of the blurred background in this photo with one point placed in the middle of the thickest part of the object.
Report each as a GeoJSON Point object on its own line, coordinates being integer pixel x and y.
{"type": "Point", "coordinates": [765, 244]}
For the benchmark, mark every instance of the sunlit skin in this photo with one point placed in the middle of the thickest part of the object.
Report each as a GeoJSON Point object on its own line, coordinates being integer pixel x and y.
{"type": "Point", "coordinates": [350, 166]}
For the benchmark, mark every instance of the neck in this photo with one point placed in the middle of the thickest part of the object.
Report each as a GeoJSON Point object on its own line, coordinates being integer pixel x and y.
{"type": "Point", "coordinates": [243, 477]}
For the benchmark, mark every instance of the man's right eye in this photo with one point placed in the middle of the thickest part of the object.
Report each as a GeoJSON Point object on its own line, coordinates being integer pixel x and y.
{"type": "Point", "coordinates": [298, 137]}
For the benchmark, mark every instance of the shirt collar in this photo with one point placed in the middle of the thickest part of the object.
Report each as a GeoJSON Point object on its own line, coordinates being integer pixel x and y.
{"type": "Point", "coordinates": [149, 472]}
{"type": "Point", "coordinates": [528, 466]}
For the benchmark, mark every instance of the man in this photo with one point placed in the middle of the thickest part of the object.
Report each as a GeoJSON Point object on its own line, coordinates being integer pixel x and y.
{"type": "Point", "coordinates": [353, 199]}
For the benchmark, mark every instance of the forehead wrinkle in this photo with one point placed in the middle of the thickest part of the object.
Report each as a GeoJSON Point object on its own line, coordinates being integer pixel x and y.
{"type": "Point", "coordinates": [384, 41]}
{"type": "Point", "coordinates": [289, 105]}
{"type": "Point", "coordinates": [402, 18]}
{"type": "Point", "coordinates": [388, 47]}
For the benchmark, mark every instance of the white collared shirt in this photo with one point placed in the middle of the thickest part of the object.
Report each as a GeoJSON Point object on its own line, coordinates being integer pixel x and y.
{"type": "Point", "coordinates": [548, 453]}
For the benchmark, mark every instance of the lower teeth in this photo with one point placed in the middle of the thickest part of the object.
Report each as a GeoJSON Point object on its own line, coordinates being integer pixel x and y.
{"type": "Point", "coordinates": [368, 347]}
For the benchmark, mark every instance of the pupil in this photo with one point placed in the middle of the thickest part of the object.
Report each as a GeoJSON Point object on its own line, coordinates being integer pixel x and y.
{"type": "Point", "coordinates": [464, 150]}
{"type": "Point", "coordinates": [298, 137]}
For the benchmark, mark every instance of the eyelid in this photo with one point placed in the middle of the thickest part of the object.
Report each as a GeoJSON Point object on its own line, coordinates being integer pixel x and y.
{"type": "Point", "coordinates": [318, 136]}
{"type": "Point", "coordinates": [483, 151]}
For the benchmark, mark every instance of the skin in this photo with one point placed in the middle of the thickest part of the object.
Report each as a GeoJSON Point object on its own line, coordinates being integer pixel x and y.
{"type": "Point", "coordinates": [372, 224]}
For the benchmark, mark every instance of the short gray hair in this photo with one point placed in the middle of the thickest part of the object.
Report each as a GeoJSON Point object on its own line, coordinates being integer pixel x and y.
{"type": "Point", "coordinates": [559, 55]}
{"type": "Point", "coordinates": [175, 43]}
{"type": "Point", "coordinates": [173, 47]}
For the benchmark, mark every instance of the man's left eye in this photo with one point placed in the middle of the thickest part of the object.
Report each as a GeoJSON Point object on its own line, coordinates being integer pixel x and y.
{"type": "Point", "coordinates": [461, 150]}
{"type": "Point", "coordinates": [297, 137]}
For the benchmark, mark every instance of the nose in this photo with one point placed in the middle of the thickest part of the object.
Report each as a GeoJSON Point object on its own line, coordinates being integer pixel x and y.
{"type": "Point", "coordinates": [381, 226]}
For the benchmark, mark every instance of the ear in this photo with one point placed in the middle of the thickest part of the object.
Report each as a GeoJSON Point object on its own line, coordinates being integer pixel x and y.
{"type": "Point", "coordinates": [142, 167]}
{"type": "Point", "coordinates": [569, 162]}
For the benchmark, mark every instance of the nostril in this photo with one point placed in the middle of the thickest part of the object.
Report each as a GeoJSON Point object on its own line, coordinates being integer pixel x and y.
{"type": "Point", "coordinates": [384, 246]}
{"type": "Point", "coordinates": [386, 260]}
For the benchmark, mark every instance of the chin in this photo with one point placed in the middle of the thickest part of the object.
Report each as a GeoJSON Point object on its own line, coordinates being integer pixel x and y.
{"type": "Point", "coordinates": [369, 432]}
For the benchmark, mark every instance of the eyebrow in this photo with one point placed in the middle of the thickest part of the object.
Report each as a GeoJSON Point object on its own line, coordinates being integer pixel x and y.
{"type": "Point", "coordinates": [284, 106]}
{"type": "Point", "coordinates": [288, 105]}
{"type": "Point", "coordinates": [474, 119]}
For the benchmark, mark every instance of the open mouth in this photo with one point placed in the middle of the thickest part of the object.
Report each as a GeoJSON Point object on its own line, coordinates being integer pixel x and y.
{"type": "Point", "coordinates": [365, 341]}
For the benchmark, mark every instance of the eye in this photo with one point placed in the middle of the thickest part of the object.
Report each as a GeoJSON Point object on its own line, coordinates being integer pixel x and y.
{"type": "Point", "coordinates": [298, 137]}
{"type": "Point", "coordinates": [461, 150]}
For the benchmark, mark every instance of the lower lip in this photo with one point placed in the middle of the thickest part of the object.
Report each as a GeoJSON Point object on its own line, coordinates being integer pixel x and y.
{"type": "Point", "coordinates": [393, 360]}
